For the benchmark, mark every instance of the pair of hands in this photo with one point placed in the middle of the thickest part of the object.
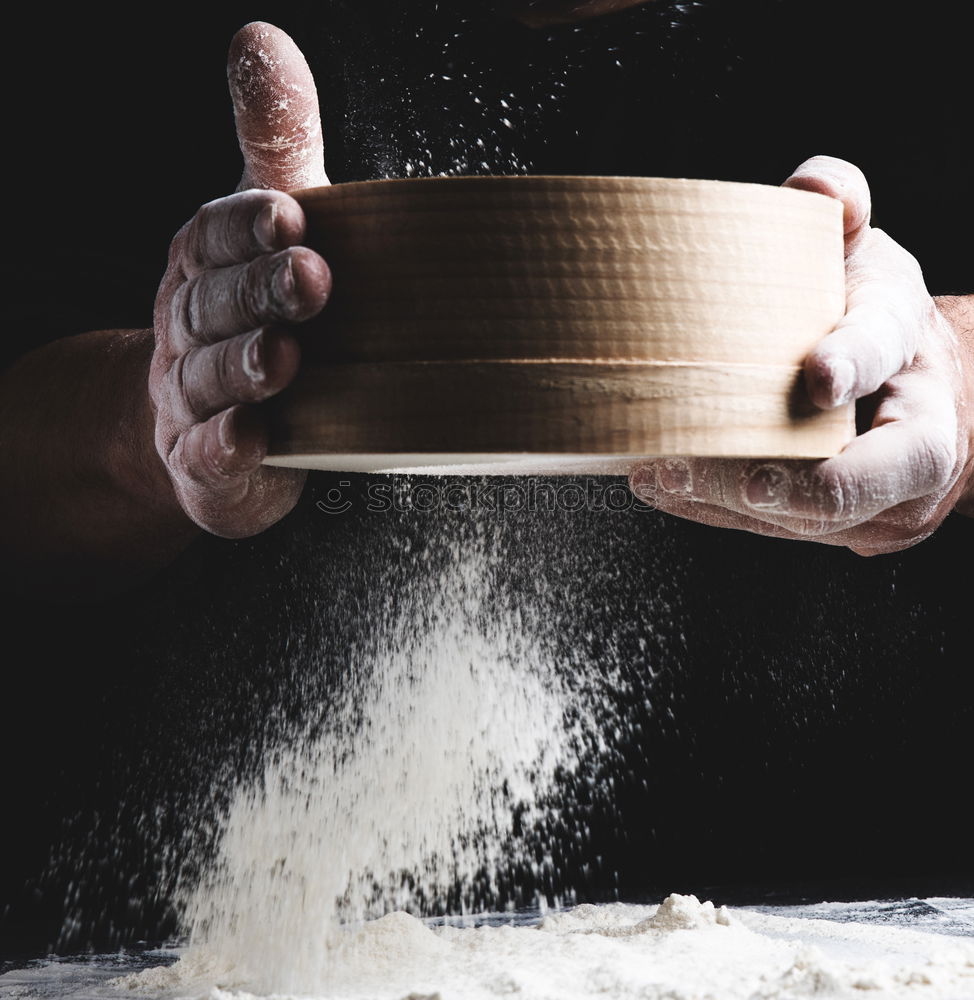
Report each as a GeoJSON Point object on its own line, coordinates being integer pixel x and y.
{"type": "Point", "coordinates": [239, 279]}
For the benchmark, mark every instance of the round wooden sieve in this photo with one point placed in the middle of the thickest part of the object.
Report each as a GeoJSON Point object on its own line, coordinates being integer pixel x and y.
{"type": "Point", "coordinates": [562, 324]}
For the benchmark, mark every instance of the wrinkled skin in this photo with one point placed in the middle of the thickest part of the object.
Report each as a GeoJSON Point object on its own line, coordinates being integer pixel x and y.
{"type": "Point", "coordinates": [907, 359]}
{"type": "Point", "coordinates": [120, 445]}
{"type": "Point", "coordinates": [238, 279]}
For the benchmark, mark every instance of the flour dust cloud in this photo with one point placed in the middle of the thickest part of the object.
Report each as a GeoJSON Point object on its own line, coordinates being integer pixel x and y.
{"type": "Point", "coordinates": [430, 776]}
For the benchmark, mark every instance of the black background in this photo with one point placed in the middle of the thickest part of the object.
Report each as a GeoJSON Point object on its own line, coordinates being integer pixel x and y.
{"type": "Point", "coordinates": [811, 715]}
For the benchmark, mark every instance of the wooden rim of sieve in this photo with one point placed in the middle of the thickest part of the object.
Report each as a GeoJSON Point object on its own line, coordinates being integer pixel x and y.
{"type": "Point", "coordinates": [565, 316]}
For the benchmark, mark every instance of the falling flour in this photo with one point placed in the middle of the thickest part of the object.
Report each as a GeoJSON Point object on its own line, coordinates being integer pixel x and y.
{"type": "Point", "coordinates": [435, 774]}
{"type": "Point", "coordinates": [428, 776]}
{"type": "Point", "coordinates": [439, 777]}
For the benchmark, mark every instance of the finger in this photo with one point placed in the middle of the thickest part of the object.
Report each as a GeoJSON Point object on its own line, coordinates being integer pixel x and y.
{"type": "Point", "coordinates": [216, 470]}
{"type": "Point", "coordinates": [865, 540]}
{"type": "Point", "coordinates": [897, 461]}
{"type": "Point", "coordinates": [217, 474]}
{"type": "Point", "coordinates": [287, 287]}
{"type": "Point", "coordinates": [890, 464]}
{"type": "Point", "coordinates": [910, 454]}
{"type": "Point", "coordinates": [244, 369]}
{"type": "Point", "coordinates": [665, 486]}
{"type": "Point", "coordinates": [679, 486]}
{"type": "Point", "coordinates": [240, 228]}
{"type": "Point", "coordinates": [839, 179]}
{"type": "Point", "coordinates": [887, 311]}
{"type": "Point", "coordinates": [720, 517]}
{"type": "Point", "coordinates": [219, 453]}
{"type": "Point", "coordinates": [275, 104]}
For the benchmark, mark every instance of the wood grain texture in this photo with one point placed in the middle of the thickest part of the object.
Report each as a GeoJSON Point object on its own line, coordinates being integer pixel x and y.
{"type": "Point", "coordinates": [564, 316]}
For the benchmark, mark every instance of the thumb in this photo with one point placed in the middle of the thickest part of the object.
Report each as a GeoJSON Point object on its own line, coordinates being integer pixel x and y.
{"type": "Point", "coordinates": [275, 104]}
{"type": "Point", "coordinates": [842, 180]}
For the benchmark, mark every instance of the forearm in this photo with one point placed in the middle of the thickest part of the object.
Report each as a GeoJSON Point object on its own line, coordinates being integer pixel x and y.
{"type": "Point", "coordinates": [87, 507]}
{"type": "Point", "coordinates": [958, 310]}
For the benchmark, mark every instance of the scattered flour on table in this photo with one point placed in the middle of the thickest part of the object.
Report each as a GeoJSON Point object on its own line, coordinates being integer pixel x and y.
{"type": "Point", "coordinates": [682, 950]}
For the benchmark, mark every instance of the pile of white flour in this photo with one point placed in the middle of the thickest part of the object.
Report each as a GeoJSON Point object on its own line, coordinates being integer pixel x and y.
{"type": "Point", "coordinates": [682, 950]}
{"type": "Point", "coordinates": [431, 778]}
{"type": "Point", "coordinates": [432, 772]}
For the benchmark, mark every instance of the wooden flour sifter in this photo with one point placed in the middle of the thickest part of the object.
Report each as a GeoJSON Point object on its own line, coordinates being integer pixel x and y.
{"type": "Point", "coordinates": [563, 324]}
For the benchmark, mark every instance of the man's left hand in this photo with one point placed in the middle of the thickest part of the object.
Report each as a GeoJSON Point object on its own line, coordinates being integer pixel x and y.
{"type": "Point", "coordinates": [909, 361]}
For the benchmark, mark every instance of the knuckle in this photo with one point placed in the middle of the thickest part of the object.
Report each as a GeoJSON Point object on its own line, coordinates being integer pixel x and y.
{"type": "Point", "coordinates": [196, 459]}
{"type": "Point", "coordinates": [886, 329]}
{"type": "Point", "coordinates": [909, 265]}
{"type": "Point", "coordinates": [272, 288]}
{"type": "Point", "coordinates": [157, 385]}
{"type": "Point", "coordinates": [215, 466]}
{"type": "Point", "coordinates": [176, 310]}
{"type": "Point", "coordinates": [205, 214]}
{"type": "Point", "coordinates": [254, 293]}
{"type": "Point", "coordinates": [938, 459]}
{"type": "Point", "coordinates": [177, 247]}
{"type": "Point", "coordinates": [913, 270]}
{"type": "Point", "coordinates": [162, 306]}
{"type": "Point", "coordinates": [222, 369]}
{"type": "Point", "coordinates": [816, 527]}
{"type": "Point", "coordinates": [204, 379]}
{"type": "Point", "coordinates": [238, 235]}
{"type": "Point", "coordinates": [835, 492]}
{"type": "Point", "coordinates": [256, 230]}
{"type": "Point", "coordinates": [183, 310]}
{"type": "Point", "coordinates": [224, 373]}
{"type": "Point", "coordinates": [184, 458]}
{"type": "Point", "coordinates": [896, 263]}
{"type": "Point", "coordinates": [179, 461]}
{"type": "Point", "coordinates": [197, 237]}
{"type": "Point", "coordinates": [165, 438]}
{"type": "Point", "coordinates": [221, 232]}
{"type": "Point", "coordinates": [179, 390]}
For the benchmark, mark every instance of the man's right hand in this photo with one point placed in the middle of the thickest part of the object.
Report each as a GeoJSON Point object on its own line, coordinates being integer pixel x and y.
{"type": "Point", "coordinates": [238, 279]}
